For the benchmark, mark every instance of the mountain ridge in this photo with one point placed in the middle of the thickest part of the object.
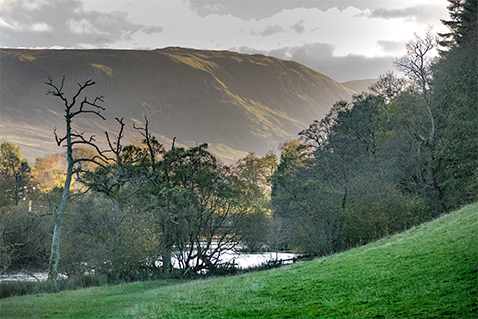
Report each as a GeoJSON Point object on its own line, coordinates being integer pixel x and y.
{"type": "Point", "coordinates": [235, 102]}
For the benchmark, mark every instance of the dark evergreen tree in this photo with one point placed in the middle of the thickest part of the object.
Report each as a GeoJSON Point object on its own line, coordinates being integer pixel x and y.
{"type": "Point", "coordinates": [462, 26]}
{"type": "Point", "coordinates": [455, 87]}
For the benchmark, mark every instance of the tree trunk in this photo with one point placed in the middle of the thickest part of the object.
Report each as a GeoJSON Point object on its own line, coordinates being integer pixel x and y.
{"type": "Point", "coordinates": [432, 189]}
{"type": "Point", "coordinates": [166, 263]}
{"type": "Point", "coordinates": [58, 213]}
{"type": "Point", "coordinates": [167, 247]}
{"type": "Point", "coordinates": [58, 218]}
{"type": "Point", "coordinates": [55, 249]}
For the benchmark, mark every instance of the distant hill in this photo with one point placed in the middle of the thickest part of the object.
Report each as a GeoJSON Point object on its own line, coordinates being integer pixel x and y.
{"type": "Point", "coordinates": [235, 102]}
{"type": "Point", "coordinates": [359, 86]}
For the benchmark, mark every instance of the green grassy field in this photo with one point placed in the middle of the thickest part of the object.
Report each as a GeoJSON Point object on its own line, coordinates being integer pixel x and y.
{"type": "Point", "coordinates": [428, 271]}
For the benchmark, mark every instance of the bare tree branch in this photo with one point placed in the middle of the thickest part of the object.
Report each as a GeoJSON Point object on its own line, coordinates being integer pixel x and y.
{"type": "Point", "coordinates": [116, 146]}
{"type": "Point", "coordinates": [58, 140]}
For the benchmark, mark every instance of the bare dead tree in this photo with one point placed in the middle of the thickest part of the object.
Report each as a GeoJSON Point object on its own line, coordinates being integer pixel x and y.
{"type": "Point", "coordinates": [116, 147]}
{"type": "Point", "coordinates": [70, 140]}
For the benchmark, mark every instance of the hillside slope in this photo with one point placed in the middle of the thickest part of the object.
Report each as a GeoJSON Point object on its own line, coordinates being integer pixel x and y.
{"type": "Point", "coordinates": [428, 271]}
{"type": "Point", "coordinates": [236, 102]}
{"type": "Point", "coordinates": [359, 86]}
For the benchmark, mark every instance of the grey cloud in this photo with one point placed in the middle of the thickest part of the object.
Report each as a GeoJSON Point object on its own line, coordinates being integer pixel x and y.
{"type": "Point", "coordinates": [390, 46]}
{"type": "Point", "coordinates": [69, 25]}
{"type": "Point", "coordinates": [298, 27]}
{"type": "Point", "coordinates": [254, 9]}
{"type": "Point", "coordinates": [319, 57]}
{"type": "Point", "coordinates": [152, 29]}
{"type": "Point", "coordinates": [353, 67]}
{"type": "Point", "coordinates": [304, 53]}
{"type": "Point", "coordinates": [271, 29]}
{"type": "Point", "coordinates": [425, 14]}
{"type": "Point", "coordinates": [214, 7]}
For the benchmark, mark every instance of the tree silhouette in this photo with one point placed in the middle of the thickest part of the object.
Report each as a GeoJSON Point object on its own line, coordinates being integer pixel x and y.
{"type": "Point", "coordinates": [70, 140]}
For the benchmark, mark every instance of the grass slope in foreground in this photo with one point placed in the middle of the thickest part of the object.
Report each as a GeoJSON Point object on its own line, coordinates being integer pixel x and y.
{"type": "Point", "coordinates": [428, 271]}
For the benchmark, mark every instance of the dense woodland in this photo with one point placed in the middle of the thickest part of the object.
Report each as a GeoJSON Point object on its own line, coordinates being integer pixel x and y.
{"type": "Point", "coordinates": [385, 161]}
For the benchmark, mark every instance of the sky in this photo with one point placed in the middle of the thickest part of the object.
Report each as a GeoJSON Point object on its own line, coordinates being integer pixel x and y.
{"type": "Point", "coordinates": [344, 39]}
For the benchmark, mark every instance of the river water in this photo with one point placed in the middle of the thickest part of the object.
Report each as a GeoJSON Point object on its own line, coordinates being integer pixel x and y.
{"type": "Point", "coordinates": [242, 261]}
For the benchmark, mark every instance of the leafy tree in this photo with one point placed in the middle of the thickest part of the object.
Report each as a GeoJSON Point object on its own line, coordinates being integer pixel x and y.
{"type": "Point", "coordinates": [254, 176]}
{"type": "Point", "coordinates": [25, 236]}
{"type": "Point", "coordinates": [6, 249]}
{"type": "Point", "coordinates": [117, 178]}
{"type": "Point", "coordinates": [388, 87]}
{"type": "Point", "coordinates": [14, 174]}
{"type": "Point", "coordinates": [48, 172]}
{"type": "Point", "coordinates": [202, 204]}
{"type": "Point", "coordinates": [24, 228]}
{"type": "Point", "coordinates": [124, 237]}
{"type": "Point", "coordinates": [148, 159]}
{"type": "Point", "coordinates": [287, 192]}
{"type": "Point", "coordinates": [120, 249]}
{"type": "Point", "coordinates": [194, 204]}
{"type": "Point", "coordinates": [347, 191]}
{"type": "Point", "coordinates": [318, 132]}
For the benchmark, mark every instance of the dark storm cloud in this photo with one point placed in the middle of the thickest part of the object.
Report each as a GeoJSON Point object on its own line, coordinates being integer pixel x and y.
{"type": "Point", "coordinates": [319, 57]}
{"type": "Point", "coordinates": [64, 23]}
{"type": "Point", "coordinates": [254, 9]}
{"type": "Point", "coordinates": [423, 13]}
{"type": "Point", "coordinates": [298, 27]}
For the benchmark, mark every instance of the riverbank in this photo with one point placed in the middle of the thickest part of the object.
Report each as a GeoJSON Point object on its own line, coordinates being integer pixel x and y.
{"type": "Point", "coordinates": [242, 261]}
{"type": "Point", "coordinates": [428, 271]}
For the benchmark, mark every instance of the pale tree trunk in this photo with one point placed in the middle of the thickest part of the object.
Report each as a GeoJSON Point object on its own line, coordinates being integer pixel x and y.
{"type": "Point", "coordinates": [55, 248]}
{"type": "Point", "coordinates": [69, 140]}
{"type": "Point", "coordinates": [56, 240]}
{"type": "Point", "coordinates": [58, 213]}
